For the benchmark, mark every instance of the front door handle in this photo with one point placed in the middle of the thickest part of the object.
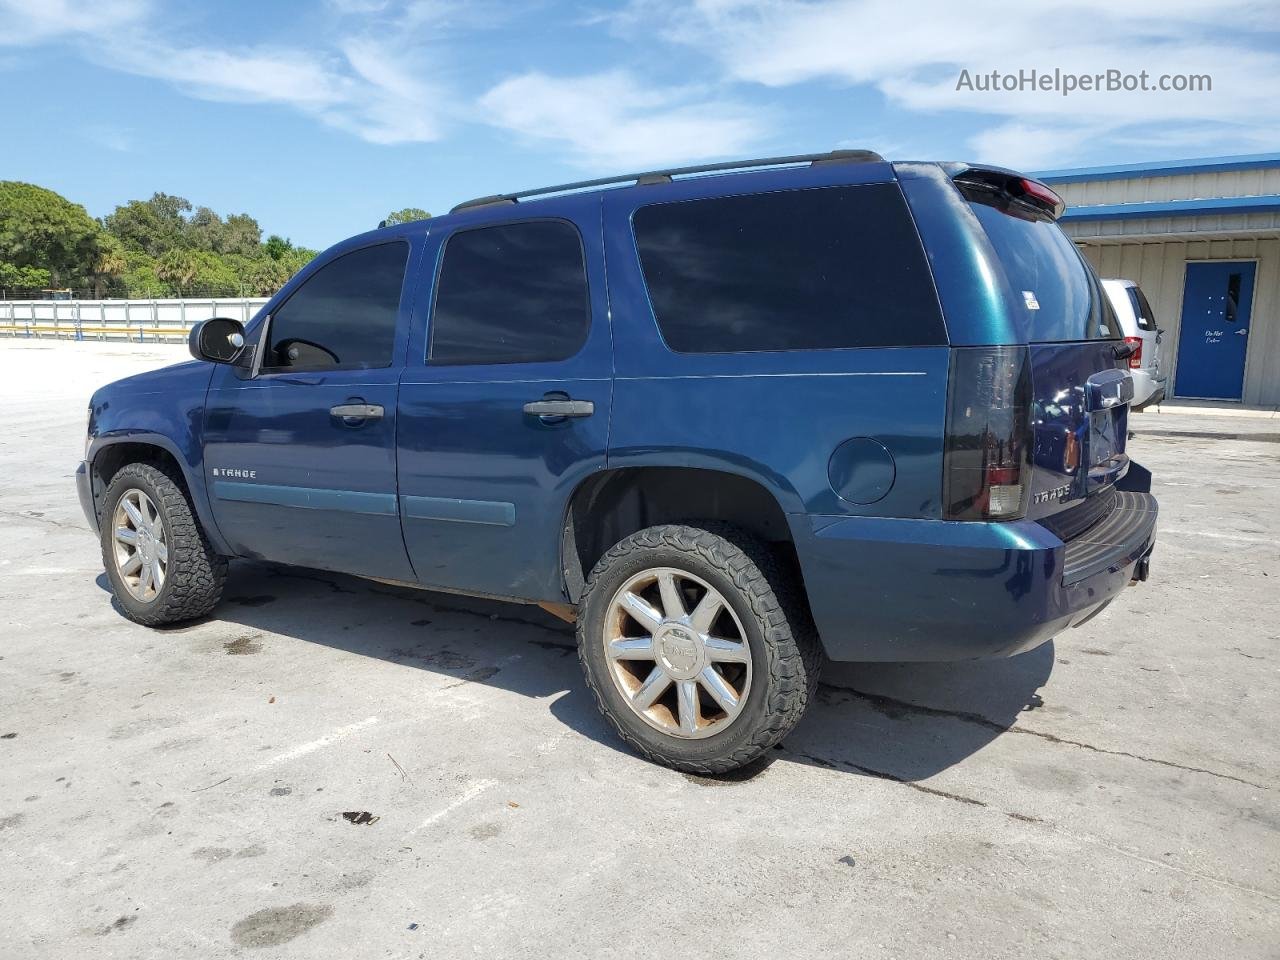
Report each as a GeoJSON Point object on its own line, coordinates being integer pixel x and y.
{"type": "Point", "coordinates": [560, 408]}
{"type": "Point", "coordinates": [357, 411]}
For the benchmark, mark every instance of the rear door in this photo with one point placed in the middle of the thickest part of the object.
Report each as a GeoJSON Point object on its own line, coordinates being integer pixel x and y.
{"type": "Point", "coordinates": [300, 457]}
{"type": "Point", "coordinates": [505, 406]}
{"type": "Point", "coordinates": [1080, 393]}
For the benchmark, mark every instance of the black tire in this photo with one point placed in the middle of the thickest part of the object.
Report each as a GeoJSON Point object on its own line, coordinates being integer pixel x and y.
{"type": "Point", "coordinates": [193, 583]}
{"type": "Point", "coordinates": [769, 603]}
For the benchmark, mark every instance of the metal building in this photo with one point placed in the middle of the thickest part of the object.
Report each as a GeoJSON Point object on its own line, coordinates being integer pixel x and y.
{"type": "Point", "coordinates": [1202, 239]}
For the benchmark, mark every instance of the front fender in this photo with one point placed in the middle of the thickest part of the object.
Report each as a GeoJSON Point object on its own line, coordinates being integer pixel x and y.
{"type": "Point", "coordinates": [162, 409]}
{"type": "Point", "coordinates": [192, 468]}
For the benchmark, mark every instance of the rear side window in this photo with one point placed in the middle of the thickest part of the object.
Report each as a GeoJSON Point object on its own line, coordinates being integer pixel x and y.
{"type": "Point", "coordinates": [514, 293]}
{"type": "Point", "coordinates": [1142, 309]}
{"type": "Point", "coordinates": [344, 316]}
{"type": "Point", "coordinates": [814, 269]}
{"type": "Point", "coordinates": [1058, 297]}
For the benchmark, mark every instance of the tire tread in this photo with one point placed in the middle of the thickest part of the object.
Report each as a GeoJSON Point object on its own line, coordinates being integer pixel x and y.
{"type": "Point", "coordinates": [775, 597]}
{"type": "Point", "coordinates": [196, 573]}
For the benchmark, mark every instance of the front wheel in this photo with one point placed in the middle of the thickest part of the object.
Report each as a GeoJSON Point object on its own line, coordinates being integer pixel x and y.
{"type": "Point", "coordinates": [161, 566]}
{"type": "Point", "coordinates": [697, 646]}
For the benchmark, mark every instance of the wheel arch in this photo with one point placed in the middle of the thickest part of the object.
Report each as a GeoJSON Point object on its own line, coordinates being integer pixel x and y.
{"type": "Point", "coordinates": [110, 453]}
{"type": "Point", "coordinates": [612, 504]}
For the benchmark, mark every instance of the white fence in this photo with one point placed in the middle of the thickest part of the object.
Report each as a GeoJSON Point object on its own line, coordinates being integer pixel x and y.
{"type": "Point", "coordinates": [117, 319]}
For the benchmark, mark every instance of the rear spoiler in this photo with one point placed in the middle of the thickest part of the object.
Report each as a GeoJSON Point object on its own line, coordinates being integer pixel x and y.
{"type": "Point", "coordinates": [1010, 192]}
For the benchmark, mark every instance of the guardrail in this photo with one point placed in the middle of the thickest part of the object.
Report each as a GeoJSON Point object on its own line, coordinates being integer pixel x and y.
{"type": "Point", "coordinates": [134, 320]}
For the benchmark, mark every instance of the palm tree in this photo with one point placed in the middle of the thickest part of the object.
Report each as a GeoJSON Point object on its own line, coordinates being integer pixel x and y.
{"type": "Point", "coordinates": [107, 264]}
{"type": "Point", "coordinates": [178, 267]}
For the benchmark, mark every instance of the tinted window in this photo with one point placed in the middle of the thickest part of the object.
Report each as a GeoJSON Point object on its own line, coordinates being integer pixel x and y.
{"type": "Point", "coordinates": [515, 293]}
{"type": "Point", "coordinates": [344, 316]}
{"type": "Point", "coordinates": [1142, 309]}
{"type": "Point", "coordinates": [793, 270]}
{"type": "Point", "coordinates": [1059, 298]}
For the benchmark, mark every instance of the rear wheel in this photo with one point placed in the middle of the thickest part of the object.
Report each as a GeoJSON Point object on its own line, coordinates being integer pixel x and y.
{"type": "Point", "coordinates": [160, 564]}
{"type": "Point", "coordinates": [697, 646]}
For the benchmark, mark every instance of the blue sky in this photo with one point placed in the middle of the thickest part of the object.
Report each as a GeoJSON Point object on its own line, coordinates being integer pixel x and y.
{"type": "Point", "coordinates": [319, 117]}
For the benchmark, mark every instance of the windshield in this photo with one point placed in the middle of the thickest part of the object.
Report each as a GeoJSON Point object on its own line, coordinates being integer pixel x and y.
{"type": "Point", "coordinates": [1058, 297]}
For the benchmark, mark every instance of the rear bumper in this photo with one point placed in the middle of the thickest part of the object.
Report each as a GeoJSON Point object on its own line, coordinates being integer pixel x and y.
{"type": "Point", "coordinates": [84, 489]}
{"type": "Point", "coordinates": [884, 589]}
{"type": "Point", "coordinates": [1146, 389]}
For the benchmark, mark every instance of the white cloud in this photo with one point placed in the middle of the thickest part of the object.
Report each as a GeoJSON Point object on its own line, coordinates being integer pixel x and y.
{"type": "Point", "coordinates": [1027, 146]}
{"type": "Point", "coordinates": [24, 22]}
{"type": "Point", "coordinates": [617, 120]}
{"type": "Point", "coordinates": [364, 86]}
{"type": "Point", "coordinates": [913, 55]}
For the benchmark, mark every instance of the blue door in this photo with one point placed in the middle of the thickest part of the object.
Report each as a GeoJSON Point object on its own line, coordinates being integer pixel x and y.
{"type": "Point", "coordinates": [300, 455]}
{"type": "Point", "coordinates": [1214, 336]}
{"type": "Point", "coordinates": [504, 405]}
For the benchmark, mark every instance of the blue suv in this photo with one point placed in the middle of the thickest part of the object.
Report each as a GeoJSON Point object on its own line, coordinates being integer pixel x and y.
{"type": "Point", "coordinates": [728, 419]}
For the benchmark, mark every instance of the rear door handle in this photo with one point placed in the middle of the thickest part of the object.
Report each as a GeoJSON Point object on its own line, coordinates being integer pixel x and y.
{"type": "Point", "coordinates": [357, 411]}
{"type": "Point", "coordinates": [560, 408]}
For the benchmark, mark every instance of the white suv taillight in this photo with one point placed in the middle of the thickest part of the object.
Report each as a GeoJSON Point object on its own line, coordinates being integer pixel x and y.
{"type": "Point", "coordinates": [1135, 358]}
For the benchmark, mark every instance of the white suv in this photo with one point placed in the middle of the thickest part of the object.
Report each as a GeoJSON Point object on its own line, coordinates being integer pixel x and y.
{"type": "Point", "coordinates": [1138, 322]}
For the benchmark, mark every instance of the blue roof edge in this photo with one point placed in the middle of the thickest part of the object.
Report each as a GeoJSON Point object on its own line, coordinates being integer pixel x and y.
{"type": "Point", "coordinates": [1160, 168]}
{"type": "Point", "coordinates": [1173, 208]}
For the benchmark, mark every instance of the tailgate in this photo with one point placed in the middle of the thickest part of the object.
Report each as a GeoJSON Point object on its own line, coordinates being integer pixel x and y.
{"type": "Point", "coordinates": [1080, 413]}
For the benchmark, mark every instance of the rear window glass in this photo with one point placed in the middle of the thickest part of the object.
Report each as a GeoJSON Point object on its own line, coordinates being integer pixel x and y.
{"type": "Point", "coordinates": [1058, 296]}
{"type": "Point", "coordinates": [813, 269]}
{"type": "Point", "coordinates": [1141, 309]}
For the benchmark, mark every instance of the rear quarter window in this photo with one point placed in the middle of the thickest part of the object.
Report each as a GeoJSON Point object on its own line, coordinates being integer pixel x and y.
{"type": "Point", "coordinates": [1142, 309]}
{"type": "Point", "coordinates": [815, 269]}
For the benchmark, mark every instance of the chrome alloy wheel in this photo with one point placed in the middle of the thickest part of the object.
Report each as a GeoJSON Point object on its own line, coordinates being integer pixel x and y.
{"type": "Point", "coordinates": [141, 546]}
{"type": "Point", "coordinates": [677, 653]}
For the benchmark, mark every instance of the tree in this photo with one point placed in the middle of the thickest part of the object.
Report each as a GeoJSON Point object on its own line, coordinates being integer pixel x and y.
{"type": "Point", "coordinates": [42, 230]}
{"type": "Point", "coordinates": [407, 215]}
{"type": "Point", "coordinates": [139, 278]}
{"type": "Point", "coordinates": [144, 248]}
{"type": "Point", "coordinates": [277, 246]}
{"type": "Point", "coordinates": [108, 264]}
{"type": "Point", "coordinates": [263, 276]}
{"type": "Point", "coordinates": [241, 234]}
{"type": "Point", "coordinates": [296, 259]}
{"type": "Point", "coordinates": [179, 268]}
{"type": "Point", "coordinates": [204, 229]}
{"type": "Point", "coordinates": [153, 226]}
{"type": "Point", "coordinates": [23, 278]}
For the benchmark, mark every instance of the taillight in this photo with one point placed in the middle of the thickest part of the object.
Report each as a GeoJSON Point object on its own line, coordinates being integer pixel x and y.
{"type": "Point", "coordinates": [987, 450]}
{"type": "Point", "coordinates": [1039, 194]}
{"type": "Point", "coordinates": [1135, 358]}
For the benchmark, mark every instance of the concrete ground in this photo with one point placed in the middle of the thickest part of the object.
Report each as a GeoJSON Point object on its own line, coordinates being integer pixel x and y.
{"type": "Point", "coordinates": [181, 793]}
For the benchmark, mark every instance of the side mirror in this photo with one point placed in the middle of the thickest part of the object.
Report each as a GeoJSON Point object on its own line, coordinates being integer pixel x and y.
{"type": "Point", "coordinates": [220, 340]}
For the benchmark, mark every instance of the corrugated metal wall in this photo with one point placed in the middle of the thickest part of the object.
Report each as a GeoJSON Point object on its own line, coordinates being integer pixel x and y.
{"type": "Point", "coordinates": [1197, 186]}
{"type": "Point", "coordinates": [1161, 227]}
{"type": "Point", "coordinates": [1160, 269]}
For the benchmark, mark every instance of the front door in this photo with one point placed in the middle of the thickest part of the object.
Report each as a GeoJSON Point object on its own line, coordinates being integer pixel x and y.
{"type": "Point", "coordinates": [1214, 336]}
{"type": "Point", "coordinates": [504, 406]}
{"type": "Point", "coordinates": [300, 456]}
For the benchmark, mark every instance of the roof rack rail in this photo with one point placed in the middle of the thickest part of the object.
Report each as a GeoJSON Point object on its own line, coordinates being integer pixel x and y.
{"type": "Point", "coordinates": [665, 176]}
